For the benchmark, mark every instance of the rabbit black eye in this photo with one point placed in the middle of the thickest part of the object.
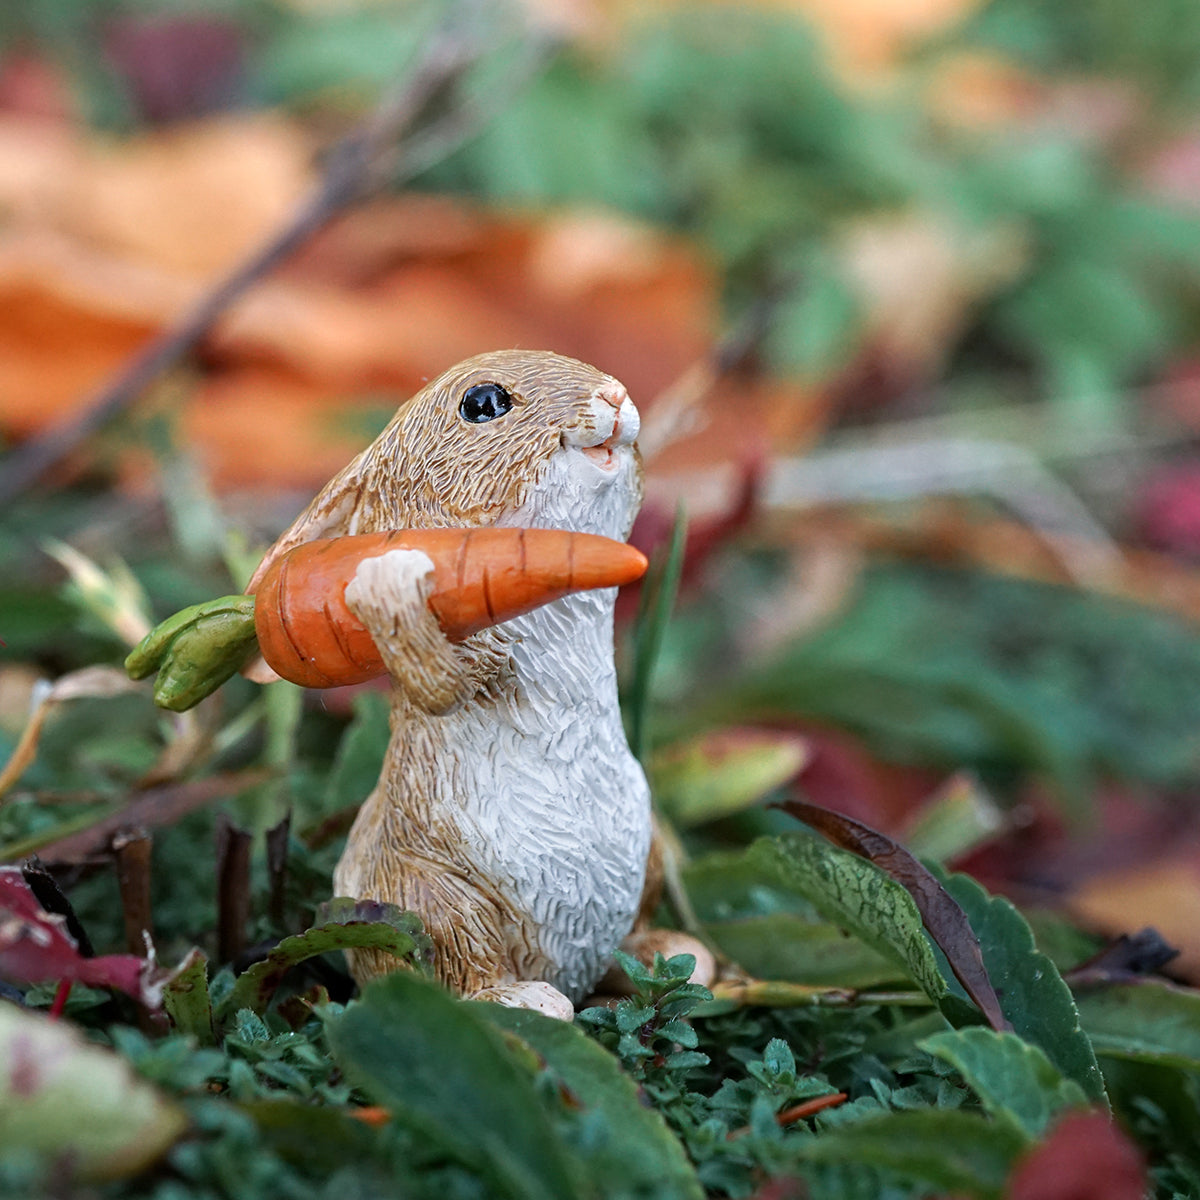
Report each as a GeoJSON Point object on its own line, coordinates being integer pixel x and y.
{"type": "Point", "coordinates": [484, 402]}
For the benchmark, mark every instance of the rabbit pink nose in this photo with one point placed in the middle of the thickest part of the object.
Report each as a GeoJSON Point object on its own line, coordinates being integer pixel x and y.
{"type": "Point", "coordinates": [612, 394]}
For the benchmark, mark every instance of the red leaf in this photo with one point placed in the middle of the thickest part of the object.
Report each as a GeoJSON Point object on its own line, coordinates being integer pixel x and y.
{"type": "Point", "coordinates": [35, 947]}
{"type": "Point", "coordinates": [1086, 1157]}
{"type": "Point", "coordinates": [1170, 510]}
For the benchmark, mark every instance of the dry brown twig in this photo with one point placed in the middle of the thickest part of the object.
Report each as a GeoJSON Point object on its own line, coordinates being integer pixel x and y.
{"type": "Point", "coordinates": [396, 142]}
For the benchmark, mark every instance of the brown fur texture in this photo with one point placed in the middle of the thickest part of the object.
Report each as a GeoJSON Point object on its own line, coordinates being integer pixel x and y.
{"type": "Point", "coordinates": [430, 468]}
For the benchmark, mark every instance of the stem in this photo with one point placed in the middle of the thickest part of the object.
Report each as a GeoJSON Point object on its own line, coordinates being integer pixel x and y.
{"type": "Point", "coordinates": [60, 999]}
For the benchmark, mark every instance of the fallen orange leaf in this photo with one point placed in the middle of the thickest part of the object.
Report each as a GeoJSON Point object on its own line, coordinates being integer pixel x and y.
{"type": "Point", "coordinates": [1164, 893]}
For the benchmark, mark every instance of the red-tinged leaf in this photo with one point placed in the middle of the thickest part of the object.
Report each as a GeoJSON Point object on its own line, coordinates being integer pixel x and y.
{"type": "Point", "coordinates": [35, 947]}
{"type": "Point", "coordinates": [177, 67]}
{"type": "Point", "coordinates": [1086, 1157]}
{"type": "Point", "coordinates": [944, 919]}
{"type": "Point", "coordinates": [1170, 510]}
{"type": "Point", "coordinates": [723, 772]}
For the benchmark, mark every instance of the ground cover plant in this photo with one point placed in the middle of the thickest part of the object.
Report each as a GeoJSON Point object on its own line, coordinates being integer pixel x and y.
{"type": "Point", "coordinates": [909, 304]}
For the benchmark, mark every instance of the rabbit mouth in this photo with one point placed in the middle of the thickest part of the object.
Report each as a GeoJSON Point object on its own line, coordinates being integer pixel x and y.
{"type": "Point", "coordinates": [606, 454]}
{"type": "Point", "coordinates": [601, 456]}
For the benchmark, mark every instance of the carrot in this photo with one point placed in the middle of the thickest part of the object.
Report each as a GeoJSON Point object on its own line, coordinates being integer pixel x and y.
{"type": "Point", "coordinates": [307, 633]}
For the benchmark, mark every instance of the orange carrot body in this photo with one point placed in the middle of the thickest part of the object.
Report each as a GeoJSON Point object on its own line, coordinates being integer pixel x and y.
{"type": "Point", "coordinates": [481, 577]}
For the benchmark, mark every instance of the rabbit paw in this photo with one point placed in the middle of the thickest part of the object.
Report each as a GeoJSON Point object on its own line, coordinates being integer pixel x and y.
{"type": "Point", "coordinates": [390, 595]}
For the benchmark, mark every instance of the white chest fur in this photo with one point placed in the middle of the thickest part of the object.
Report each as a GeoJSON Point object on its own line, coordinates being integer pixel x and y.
{"type": "Point", "coordinates": [549, 799]}
{"type": "Point", "coordinates": [556, 803]}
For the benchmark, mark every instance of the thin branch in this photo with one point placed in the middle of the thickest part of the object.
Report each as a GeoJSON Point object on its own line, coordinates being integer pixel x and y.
{"type": "Point", "coordinates": [233, 888]}
{"type": "Point", "coordinates": [277, 869]}
{"type": "Point", "coordinates": [152, 809]}
{"type": "Point", "coordinates": [379, 151]}
{"type": "Point", "coordinates": [132, 849]}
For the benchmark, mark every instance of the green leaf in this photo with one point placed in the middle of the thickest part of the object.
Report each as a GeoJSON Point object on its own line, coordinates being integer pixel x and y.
{"type": "Point", "coordinates": [788, 947]}
{"type": "Point", "coordinates": [944, 1149]}
{"type": "Point", "coordinates": [654, 612]}
{"type": "Point", "coordinates": [77, 1103]}
{"type": "Point", "coordinates": [320, 1139]}
{"type": "Point", "coordinates": [443, 1072]}
{"type": "Point", "coordinates": [635, 1148]}
{"type": "Point", "coordinates": [856, 895]}
{"type": "Point", "coordinates": [943, 918]}
{"type": "Point", "coordinates": [343, 924]}
{"type": "Point", "coordinates": [957, 819]}
{"type": "Point", "coordinates": [187, 1000]}
{"type": "Point", "coordinates": [721, 773]}
{"type": "Point", "coordinates": [360, 753]}
{"type": "Point", "coordinates": [726, 886]}
{"type": "Point", "coordinates": [962, 669]}
{"type": "Point", "coordinates": [195, 651]}
{"type": "Point", "coordinates": [355, 51]}
{"type": "Point", "coordinates": [1012, 1078]}
{"type": "Point", "coordinates": [815, 331]}
{"type": "Point", "coordinates": [1147, 1021]}
{"type": "Point", "coordinates": [1032, 993]}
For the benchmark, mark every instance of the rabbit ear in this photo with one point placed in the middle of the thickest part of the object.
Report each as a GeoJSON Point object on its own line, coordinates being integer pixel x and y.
{"type": "Point", "coordinates": [331, 514]}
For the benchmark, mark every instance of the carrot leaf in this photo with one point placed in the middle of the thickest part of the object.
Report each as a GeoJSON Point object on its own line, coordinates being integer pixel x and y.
{"type": "Point", "coordinates": [195, 651]}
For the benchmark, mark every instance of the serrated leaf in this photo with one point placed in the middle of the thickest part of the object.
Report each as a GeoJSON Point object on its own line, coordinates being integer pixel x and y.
{"type": "Point", "coordinates": [249, 1027]}
{"type": "Point", "coordinates": [1147, 1021]}
{"type": "Point", "coordinates": [857, 896]}
{"type": "Point", "coordinates": [787, 947]}
{"type": "Point", "coordinates": [630, 1046]}
{"type": "Point", "coordinates": [678, 966]}
{"type": "Point", "coordinates": [1032, 993]}
{"type": "Point", "coordinates": [350, 924]}
{"type": "Point", "coordinates": [944, 1149]}
{"type": "Point", "coordinates": [942, 916]}
{"type": "Point", "coordinates": [442, 1071]}
{"type": "Point", "coordinates": [686, 1060]}
{"type": "Point", "coordinates": [636, 1148]}
{"type": "Point", "coordinates": [680, 1032]}
{"type": "Point", "coordinates": [778, 1058]}
{"type": "Point", "coordinates": [1013, 1079]}
{"type": "Point", "coordinates": [77, 1103]}
{"type": "Point", "coordinates": [637, 971]}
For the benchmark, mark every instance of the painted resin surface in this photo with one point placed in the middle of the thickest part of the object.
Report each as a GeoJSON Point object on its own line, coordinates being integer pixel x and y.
{"type": "Point", "coordinates": [510, 813]}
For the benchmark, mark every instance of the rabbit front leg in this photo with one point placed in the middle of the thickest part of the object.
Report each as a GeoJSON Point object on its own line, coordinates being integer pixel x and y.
{"type": "Point", "coordinates": [389, 595]}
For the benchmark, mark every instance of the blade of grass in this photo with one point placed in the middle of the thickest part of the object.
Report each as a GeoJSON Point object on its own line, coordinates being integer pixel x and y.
{"type": "Point", "coordinates": [654, 612]}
